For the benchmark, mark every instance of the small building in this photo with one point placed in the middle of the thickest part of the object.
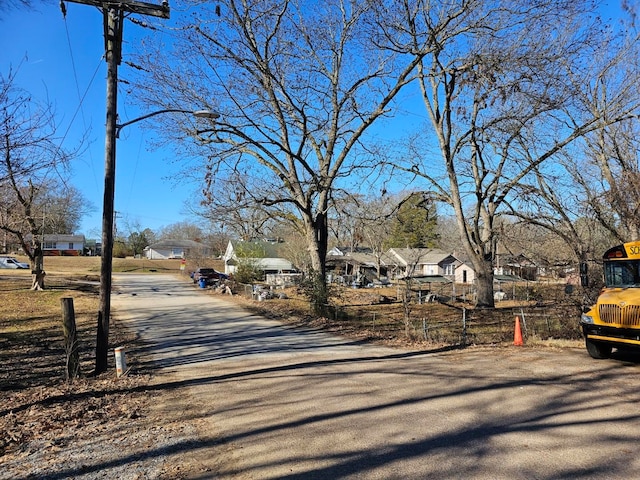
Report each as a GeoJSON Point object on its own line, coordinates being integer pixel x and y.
{"type": "Point", "coordinates": [63, 245]}
{"type": "Point", "coordinates": [265, 256]}
{"type": "Point", "coordinates": [357, 267]}
{"type": "Point", "coordinates": [517, 265]}
{"type": "Point", "coordinates": [464, 272]}
{"type": "Point", "coordinates": [176, 248]}
{"type": "Point", "coordinates": [416, 262]}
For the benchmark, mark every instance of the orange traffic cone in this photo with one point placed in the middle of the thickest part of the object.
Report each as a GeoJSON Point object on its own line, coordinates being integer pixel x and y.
{"type": "Point", "coordinates": [517, 336]}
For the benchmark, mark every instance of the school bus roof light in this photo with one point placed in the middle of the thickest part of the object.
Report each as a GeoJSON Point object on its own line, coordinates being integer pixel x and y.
{"type": "Point", "coordinates": [616, 252]}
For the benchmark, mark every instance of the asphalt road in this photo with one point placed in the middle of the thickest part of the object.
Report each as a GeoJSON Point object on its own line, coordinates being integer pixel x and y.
{"type": "Point", "coordinates": [273, 401]}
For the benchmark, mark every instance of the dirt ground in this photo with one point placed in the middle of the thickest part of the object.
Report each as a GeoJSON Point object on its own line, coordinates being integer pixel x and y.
{"type": "Point", "coordinates": [54, 428]}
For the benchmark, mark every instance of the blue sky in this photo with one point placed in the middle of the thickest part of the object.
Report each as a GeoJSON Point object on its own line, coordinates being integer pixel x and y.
{"type": "Point", "coordinates": [62, 60]}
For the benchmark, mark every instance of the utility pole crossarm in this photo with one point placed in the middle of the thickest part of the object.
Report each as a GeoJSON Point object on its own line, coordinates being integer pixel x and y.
{"type": "Point", "coordinates": [141, 8]}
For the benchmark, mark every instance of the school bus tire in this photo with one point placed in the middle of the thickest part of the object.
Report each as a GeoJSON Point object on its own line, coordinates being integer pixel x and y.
{"type": "Point", "coordinates": [598, 350]}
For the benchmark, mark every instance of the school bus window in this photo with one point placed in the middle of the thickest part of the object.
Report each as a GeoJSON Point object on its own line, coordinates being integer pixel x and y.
{"type": "Point", "coordinates": [621, 274]}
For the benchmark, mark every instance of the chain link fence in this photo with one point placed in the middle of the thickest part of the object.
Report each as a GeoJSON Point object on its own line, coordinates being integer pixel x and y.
{"type": "Point", "coordinates": [444, 314]}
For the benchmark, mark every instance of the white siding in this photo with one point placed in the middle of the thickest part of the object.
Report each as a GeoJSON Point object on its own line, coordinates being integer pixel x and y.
{"type": "Point", "coordinates": [460, 274]}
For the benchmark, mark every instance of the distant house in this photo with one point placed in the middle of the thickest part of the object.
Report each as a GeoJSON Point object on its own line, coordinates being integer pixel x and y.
{"type": "Point", "coordinates": [266, 256]}
{"type": "Point", "coordinates": [63, 245]}
{"type": "Point", "coordinates": [464, 272]}
{"type": "Point", "coordinates": [421, 262]}
{"type": "Point", "coordinates": [172, 248]}
{"type": "Point", "coordinates": [413, 262]}
{"type": "Point", "coordinates": [517, 265]}
{"type": "Point", "coordinates": [354, 266]}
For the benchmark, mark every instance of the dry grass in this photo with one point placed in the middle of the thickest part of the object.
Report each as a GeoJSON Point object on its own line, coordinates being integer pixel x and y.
{"type": "Point", "coordinates": [91, 265]}
{"type": "Point", "coordinates": [31, 337]}
{"type": "Point", "coordinates": [378, 315]}
{"type": "Point", "coordinates": [36, 398]}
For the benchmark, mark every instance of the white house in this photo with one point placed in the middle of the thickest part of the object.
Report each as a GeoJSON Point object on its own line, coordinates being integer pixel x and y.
{"type": "Point", "coordinates": [67, 245]}
{"type": "Point", "coordinates": [171, 248]}
{"type": "Point", "coordinates": [464, 272]}
{"type": "Point", "coordinates": [417, 262]}
{"type": "Point", "coordinates": [263, 255]}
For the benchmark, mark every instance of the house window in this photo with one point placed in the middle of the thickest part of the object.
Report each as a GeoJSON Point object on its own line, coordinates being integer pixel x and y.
{"type": "Point", "coordinates": [449, 269]}
{"type": "Point", "coordinates": [176, 252]}
{"type": "Point", "coordinates": [50, 245]}
{"type": "Point", "coordinates": [70, 245]}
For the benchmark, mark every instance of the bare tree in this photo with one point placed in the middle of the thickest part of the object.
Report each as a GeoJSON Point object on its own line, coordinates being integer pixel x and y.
{"type": "Point", "coordinates": [14, 4]}
{"type": "Point", "coordinates": [366, 221]}
{"type": "Point", "coordinates": [63, 207]}
{"type": "Point", "coordinates": [358, 216]}
{"type": "Point", "coordinates": [610, 179]}
{"type": "Point", "coordinates": [226, 206]}
{"type": "Point", "coordinates": [448, 234]}
{"type": "Point", "coordinates": [32, 162]}
{"type": "Point", "coordinates": [594, 188]}
{"type": "Point", "coordinates": [181, 230]}
{"type": "Point", "coordinates": [297, 85]}
{"type": "Point", "coordinates": [499, 87]}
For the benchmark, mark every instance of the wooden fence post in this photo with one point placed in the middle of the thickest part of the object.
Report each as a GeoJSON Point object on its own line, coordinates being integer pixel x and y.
{"type": "Point", "coordinates": [70, 338]}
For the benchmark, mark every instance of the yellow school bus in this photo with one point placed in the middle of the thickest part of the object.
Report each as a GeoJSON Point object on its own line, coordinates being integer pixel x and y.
{"type": "Point", "coordinates": [614, 321]}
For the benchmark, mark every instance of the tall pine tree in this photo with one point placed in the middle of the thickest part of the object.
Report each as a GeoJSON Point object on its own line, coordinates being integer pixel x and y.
{"type": "Point", "coordinates": [415, 223]}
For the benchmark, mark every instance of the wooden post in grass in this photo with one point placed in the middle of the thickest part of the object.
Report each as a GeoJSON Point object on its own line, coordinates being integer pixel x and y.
{"type": "Point", "coordinates": [70, 338]}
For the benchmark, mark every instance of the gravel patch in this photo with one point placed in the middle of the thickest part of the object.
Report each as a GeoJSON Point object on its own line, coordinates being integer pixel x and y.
{"type": "Point", "coordinates": [95, 429]}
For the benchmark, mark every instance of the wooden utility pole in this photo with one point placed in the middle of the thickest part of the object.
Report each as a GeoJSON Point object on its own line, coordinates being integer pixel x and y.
{"type": "Point", "coordinates": [114, 13]}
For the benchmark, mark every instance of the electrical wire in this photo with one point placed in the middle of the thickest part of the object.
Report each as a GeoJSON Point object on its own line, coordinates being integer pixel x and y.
{"type": "Point", "coordinates": [81, 97]}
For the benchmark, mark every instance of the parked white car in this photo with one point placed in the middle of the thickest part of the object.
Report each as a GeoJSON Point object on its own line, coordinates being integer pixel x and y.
{"type": "Point", "coordinates": [12, 262]}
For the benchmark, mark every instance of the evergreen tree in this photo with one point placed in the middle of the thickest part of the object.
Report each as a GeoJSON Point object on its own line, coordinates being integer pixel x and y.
{"type": "Point", "coordinates": [415, 223]}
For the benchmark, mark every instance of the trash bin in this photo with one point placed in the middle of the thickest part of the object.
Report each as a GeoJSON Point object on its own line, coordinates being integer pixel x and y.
{"type": "Point", "coordinates": [203, 283]}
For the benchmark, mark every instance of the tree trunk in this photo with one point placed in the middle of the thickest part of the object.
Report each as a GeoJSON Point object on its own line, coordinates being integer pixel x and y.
{"type": "Point", "coordinates": [37, 271]}
{"type": "Point", "coordinates": [317, 240]}
{"type": "Point", "coordinates": [484, 284]}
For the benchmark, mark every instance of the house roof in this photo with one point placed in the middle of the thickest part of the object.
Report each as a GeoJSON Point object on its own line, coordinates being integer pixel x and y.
{"type": "Point", "coordinates": [339, 251]}
{"type": "Point", "coordinates": [430, 279]}
{"type": "Point", "coordinates": [417, 256]}
{"type": "Point", "coordinates": [176, 243]}
{"type": "Point", "coordinates": [64, 238]}
{"type": "Point", "coordinates": [257, 248]}
{"type": "Point", "coordinates": [517, 261]}
{"type": "Point", "coordinates": [359, 258]}
{"type": "Point", "coordinates": [54, 237]}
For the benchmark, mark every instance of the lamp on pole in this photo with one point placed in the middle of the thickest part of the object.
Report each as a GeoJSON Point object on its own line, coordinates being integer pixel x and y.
{"type": "Point", "coordinates": [106, 259]}
{"type": "Point", "coordinates": [196, 113]}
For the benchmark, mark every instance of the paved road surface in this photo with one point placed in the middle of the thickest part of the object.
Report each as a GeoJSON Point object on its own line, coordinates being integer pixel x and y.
{"type": "Point", "coordinates": [277, 402]}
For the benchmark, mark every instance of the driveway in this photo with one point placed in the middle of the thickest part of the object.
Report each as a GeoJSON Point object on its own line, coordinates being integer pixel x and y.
{"type": "Point", "coordinates": [273, 401]}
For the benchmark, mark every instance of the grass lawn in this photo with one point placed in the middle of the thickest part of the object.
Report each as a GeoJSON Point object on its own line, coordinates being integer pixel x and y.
{"type": "Point", "coordinates": [37, 401]}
